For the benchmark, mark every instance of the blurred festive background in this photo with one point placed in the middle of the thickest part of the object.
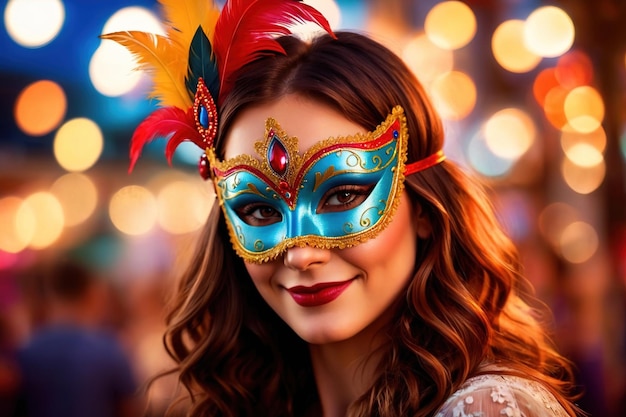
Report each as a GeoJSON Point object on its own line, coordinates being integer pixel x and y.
{"type": "Point", "coordinates": [531, 92]}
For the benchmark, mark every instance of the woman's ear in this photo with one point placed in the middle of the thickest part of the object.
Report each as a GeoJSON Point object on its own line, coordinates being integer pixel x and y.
{"type": "Point", "coordinates": [422, 224]}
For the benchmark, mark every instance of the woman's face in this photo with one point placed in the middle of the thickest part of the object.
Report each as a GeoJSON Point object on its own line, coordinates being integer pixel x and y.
{"type": "Point", "coordinates": [328, 295]}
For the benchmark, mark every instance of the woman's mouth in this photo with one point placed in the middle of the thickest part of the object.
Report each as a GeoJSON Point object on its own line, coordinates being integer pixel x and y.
{"type": "Point", "coordinates": [318, 294]}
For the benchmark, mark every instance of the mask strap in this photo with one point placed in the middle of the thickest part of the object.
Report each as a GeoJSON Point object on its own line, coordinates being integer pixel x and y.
{"type": "Point", "coordinates": [425, 163]}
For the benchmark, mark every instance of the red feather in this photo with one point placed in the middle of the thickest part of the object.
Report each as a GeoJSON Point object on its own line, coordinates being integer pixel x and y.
{"type": "Point", "coordinates": [245, 30]}
{"type": "Point", "coordinates": [169, 122]}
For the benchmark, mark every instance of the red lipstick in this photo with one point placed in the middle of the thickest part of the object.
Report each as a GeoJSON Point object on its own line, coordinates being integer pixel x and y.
{"type": "Point", "coordinates": [318, 294]}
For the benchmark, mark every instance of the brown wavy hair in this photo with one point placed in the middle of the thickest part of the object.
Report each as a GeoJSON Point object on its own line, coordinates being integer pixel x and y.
{"type": "Point", "coordinates": [467, 305]}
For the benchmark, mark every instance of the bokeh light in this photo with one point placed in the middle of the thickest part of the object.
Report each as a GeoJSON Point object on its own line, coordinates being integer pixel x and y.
{"type": "Point", "coordinates": [14, 238]}
{"type": "Point", "coordinates": [183, 207]}
{"type": "Point", "coordinates": [574, 69]}
{"type": "Point", "coordinates": [584, 155]}
{"type": "Point", "coordinates": [509, 133]}
{"type": "Point", "coordinates": [484, 161]}
{"type": "Point", "coordinates": [553, 219]}
{"type": "Point", "coordinates": [78, 196]}
{"type": "Point", "coordinates": [189, 153]}
{"type": "Point", "coordinates": [554, 106]}
{"type": "Point", "coordinates": [40, 108]}
{"type": "Point", "coordinates": [509, 49]}
{"type": "Point", "coordinates": [112, 69]}
{"type": "Point", "coordinates": [34, 23]}
{"type": "Point", "coordinates": [454, 95]}
{"type": "Point", "coordinates": [78, 144]}
{"type": "Point", "coordinates": [43, 211]}
{"type": "Point", "coordinates": [570, 138]}
{"type": "Point", "coordinates": [133, 18]}
{"type": "Point", "coordinates": [549, 32]}
{"type": "Point", "coordinates": [450, 25]}
{"type": "Point", "coordinates": [584, 109]}
{"type": "Point", "coordinates": [544, 82]}
{"type": "Point", "coordinates": [427, 60]}
{"type": "Point", "coordinates": [133, 210]}
{"type": "Point", "coordinates": [583, 179]}
{"type": "Point", "coordinates": [579, 242]}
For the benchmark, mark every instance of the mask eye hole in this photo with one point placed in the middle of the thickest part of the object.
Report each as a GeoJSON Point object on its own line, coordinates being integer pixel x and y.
{"type": "Point", "coordinates": [344, 197]}
{"type": "Point", "coordinates": [258, 214]}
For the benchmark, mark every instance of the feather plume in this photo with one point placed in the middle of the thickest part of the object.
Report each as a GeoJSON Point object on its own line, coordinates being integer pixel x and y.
{"type": "Point", "coordinates": [184, 16]}
{"type": "Point", "coordinates": [203, 43]}
{"type": "Point", "coordinates": [190, 22]}
{"type": "Point", "coordinates": [164, 59]}
{"type": "Point", "coordinates": [170, 122]}
{"type": "Point", "coordinates": [246, 30]}
{"type": "Point", "coordinates": [202, 64]}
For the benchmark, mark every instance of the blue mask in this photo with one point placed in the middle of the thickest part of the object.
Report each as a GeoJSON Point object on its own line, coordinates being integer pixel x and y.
{"type": "Point", "coordinates": [341, 192]}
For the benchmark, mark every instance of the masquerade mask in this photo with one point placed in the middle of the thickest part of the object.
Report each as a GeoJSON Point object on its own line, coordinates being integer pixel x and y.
{"type": "Point", "coordinates": [339, 193]}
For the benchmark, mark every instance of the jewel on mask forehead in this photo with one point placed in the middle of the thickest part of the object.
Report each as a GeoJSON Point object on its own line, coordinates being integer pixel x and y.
{"type": "Point", "coordinates": [277, 156]}
{"type": "Point", "coordinates": [203, 116]}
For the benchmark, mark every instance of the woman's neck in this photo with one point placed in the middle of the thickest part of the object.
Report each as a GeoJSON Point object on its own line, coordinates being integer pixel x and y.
{"type": "Point", "coordinates": [342, 374]}
{"type": "Point", "coordinates": [345, 370]}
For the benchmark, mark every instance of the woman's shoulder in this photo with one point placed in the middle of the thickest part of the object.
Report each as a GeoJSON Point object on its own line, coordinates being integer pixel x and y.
{"type": "Point", "coordinates": [501, 395]}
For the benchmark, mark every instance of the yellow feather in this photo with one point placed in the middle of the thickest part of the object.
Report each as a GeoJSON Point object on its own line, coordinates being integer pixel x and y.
{"type": "Point", "coordinates": [165, 59]}
{"type": "Point", "coordinates": [184, 17]}
{"type": "Point", "coordinates": [210, 20]}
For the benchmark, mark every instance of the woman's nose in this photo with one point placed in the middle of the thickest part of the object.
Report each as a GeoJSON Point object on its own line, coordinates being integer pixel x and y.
{"type": "Point", "coordinates": [305, 257]}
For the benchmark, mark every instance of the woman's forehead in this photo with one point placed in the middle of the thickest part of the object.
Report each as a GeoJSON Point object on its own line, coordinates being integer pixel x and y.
{"type": "Point", "coordinates": [308, 120]}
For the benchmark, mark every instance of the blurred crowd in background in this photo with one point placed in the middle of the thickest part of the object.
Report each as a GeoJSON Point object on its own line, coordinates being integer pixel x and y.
{"type": "Point", "coordinates": [532, 95]}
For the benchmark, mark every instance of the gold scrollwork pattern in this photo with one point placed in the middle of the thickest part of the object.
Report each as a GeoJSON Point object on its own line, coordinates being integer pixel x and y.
{"type": "Point", "coordinates": [353, 159]}
{"type": "Point", "coordinates": [320, 178]}
{"type": "Point", "coordinates": [251, 189]}
{"type": "Point", "coordinates": [366, 220]}
{"type": "Point", "coordinates": [377, 161]}
{"type": "Point", "coordinates": [240, 236]}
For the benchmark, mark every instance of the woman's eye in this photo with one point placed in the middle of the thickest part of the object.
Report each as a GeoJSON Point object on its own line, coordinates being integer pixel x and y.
{"type": "Point", "coordinates": [256, 214]}
{"type": "Point", "coordinates": [341, 197]}
{"type": "Point", "coordinates": [344, 197]}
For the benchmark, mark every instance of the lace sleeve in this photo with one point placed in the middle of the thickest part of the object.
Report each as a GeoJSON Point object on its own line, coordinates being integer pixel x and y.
{"type": "Point", "coordinates": [501, 395]}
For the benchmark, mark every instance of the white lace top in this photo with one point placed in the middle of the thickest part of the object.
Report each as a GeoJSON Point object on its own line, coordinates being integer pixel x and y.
{"type": "Point", "coordinates": [501, 395]}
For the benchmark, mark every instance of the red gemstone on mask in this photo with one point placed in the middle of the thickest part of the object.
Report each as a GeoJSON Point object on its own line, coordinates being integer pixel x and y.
{"type": "Point", "coordinates": [277, 157]}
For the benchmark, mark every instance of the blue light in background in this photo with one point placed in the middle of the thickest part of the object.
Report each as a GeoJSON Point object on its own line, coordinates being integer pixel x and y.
{"type": "Point", "coordinates": [65, 60]}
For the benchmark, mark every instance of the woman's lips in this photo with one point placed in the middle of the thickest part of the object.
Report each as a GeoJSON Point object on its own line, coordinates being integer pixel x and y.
{"type": "Point", "coordinates": [318, 294]}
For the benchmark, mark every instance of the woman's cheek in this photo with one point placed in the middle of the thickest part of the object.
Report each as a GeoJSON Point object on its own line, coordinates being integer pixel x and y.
{"type": "Point", "coordinates": [260, 273]}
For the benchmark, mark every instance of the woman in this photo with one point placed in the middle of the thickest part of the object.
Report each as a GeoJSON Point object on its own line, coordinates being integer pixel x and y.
{"type": "Point", "coordinates": [349, 269]}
